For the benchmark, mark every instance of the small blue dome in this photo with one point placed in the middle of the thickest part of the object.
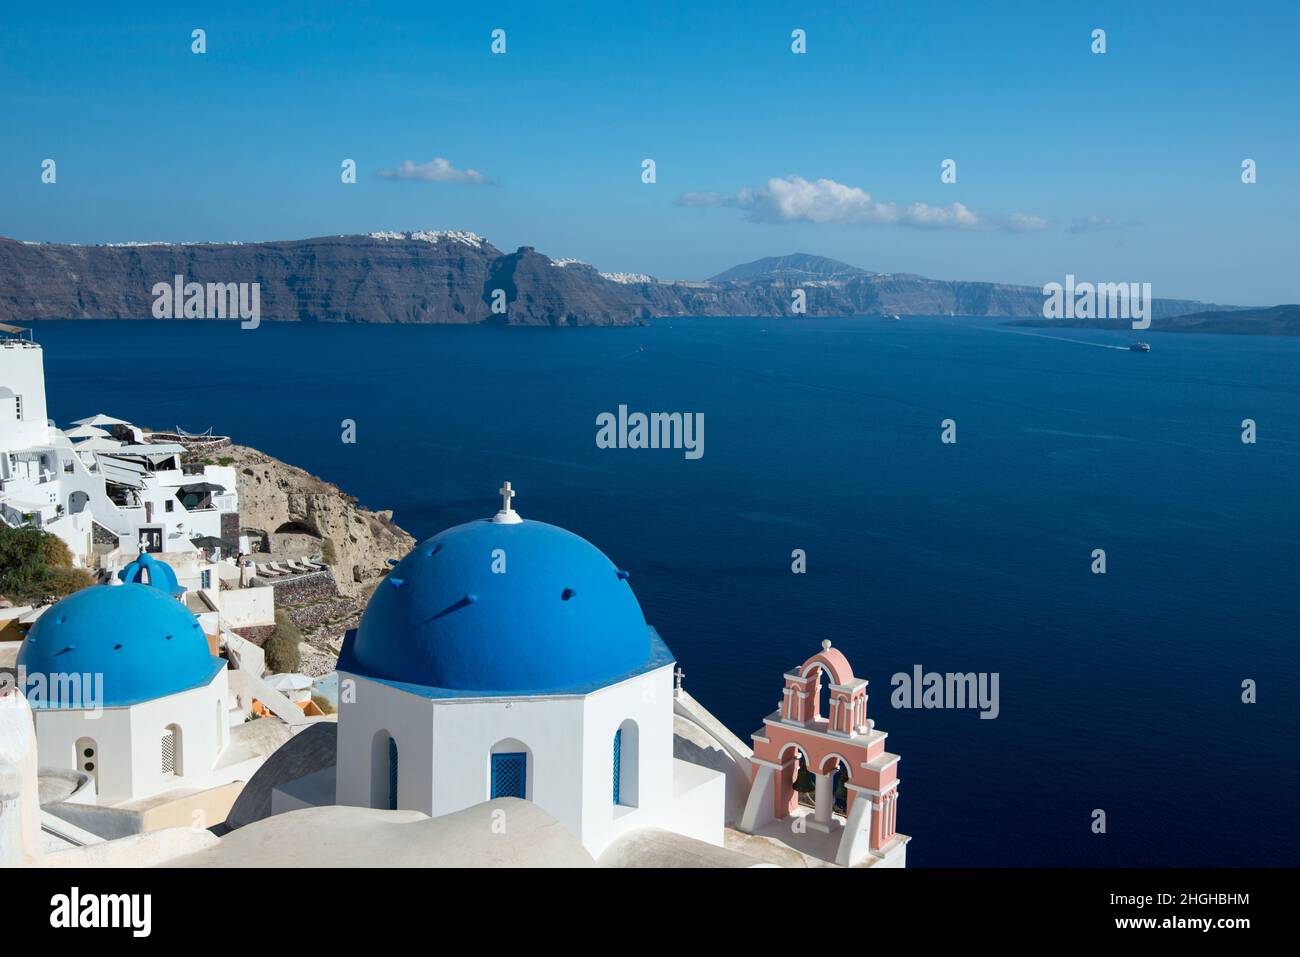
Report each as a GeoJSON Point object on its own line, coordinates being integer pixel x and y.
{"type": "Point", "coordinates": [145, 644]}
{"type": "Point", "coordinates": [147, 570]}
{"type": "Point", "coordinates": [559, 616]}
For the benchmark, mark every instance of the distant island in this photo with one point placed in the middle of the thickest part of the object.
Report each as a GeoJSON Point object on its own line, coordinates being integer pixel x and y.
{"type": "Point", "coordinates": [451, 277]}
{"type": "Point", "coordinates": [1273, 321]}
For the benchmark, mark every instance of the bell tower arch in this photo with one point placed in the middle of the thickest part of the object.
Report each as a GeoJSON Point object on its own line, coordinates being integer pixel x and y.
{"type": "Point", "coordinates": [838, 758]}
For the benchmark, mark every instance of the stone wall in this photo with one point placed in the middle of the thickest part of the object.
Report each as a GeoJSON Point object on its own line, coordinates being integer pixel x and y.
{"type": "Point", "coordinates": [257, 634]}
{"type": "Point", "coordinates": [314, 614]}
{"type": "Point", "coordinates": [100, 535]}
{"type": "Point", "coordinates": [304, 588]}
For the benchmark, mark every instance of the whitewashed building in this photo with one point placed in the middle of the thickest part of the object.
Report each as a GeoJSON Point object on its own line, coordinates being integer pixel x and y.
{"type": "Point", "coordinates": [510, 658]}
{"type": "Point", "coordinates": [101, 486]}
{"type": "Point", "coordinates": [125, 689]}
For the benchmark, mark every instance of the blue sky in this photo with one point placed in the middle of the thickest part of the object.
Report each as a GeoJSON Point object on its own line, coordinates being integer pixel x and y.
{"type": "Point", "coordinates": [1125, 166]}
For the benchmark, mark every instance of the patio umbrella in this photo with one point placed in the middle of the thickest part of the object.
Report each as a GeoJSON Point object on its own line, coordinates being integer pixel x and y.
{"type": "Point", "coordinates": [86, 432]}
{"type": "Point", "coordinates": [101, 419]}
{"type": "Point", "coordinates": [206, 541]}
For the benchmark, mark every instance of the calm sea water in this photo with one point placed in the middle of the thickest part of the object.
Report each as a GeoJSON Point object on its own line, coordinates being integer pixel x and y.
{"type": "Point", "coordinates": [1120, 692]}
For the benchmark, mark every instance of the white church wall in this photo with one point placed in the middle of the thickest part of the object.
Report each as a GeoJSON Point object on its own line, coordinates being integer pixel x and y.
{"type": "Point", "coordinates": [200, 716]}
{"type": "Point", "coordinates": [699, 802]}
{"type": "Point", "coordinates": [549, 730]}
{"type": "Point", "coordinates": [365, 708]}
{"type": "Point", "coordinates": [647, 701]}
{"type": "Point", "coordinates": [60, 731]}
{"type": "Point", "coordinates": [445, 751]}
{"type": "Point", "coordinates": [128, 741]}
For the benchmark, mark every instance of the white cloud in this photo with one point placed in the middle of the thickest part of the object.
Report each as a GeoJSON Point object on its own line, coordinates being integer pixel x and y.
{"type": "Point", "coordinates": [1094, 222]}
{"type": "Point", "coordinates": [437, 170]}
{"type": "Point", "coordinates": [1025, 222]}
{"type": "Point", "coordinates": [793, 199]}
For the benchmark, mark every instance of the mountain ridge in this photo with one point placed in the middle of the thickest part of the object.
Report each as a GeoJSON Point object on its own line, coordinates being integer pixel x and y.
{"type": "Point", "coordinates": [443, 276]}
{"type": "Point", "coordinates": [792, 265]}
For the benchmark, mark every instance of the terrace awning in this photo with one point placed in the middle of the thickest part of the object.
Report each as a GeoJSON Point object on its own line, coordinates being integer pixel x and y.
{"type": "Point", "coordinates": [202, 488]}
{"type": "Point", "coordinates": [121, 472]}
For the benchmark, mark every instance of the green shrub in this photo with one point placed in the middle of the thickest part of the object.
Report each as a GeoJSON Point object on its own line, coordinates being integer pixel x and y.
{"type": "Point", "coordinates": [282, 647]}
{"type": "Point", "coordinates": [34, 563]}
{"type": "Point", "coordinates": [327, 552]}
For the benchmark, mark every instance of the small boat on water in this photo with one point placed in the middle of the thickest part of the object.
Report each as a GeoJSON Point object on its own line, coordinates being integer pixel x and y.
{"type": "Point", "coordinates": [891, 317]}
{"type": "Point", "coordinates": [1140, 347]}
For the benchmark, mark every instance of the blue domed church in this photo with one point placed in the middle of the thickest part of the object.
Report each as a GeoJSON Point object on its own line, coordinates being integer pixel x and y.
{"type": "Point", "coordinates": [124, 688]}
{"type": "Point", "coordinates": [510, 658]}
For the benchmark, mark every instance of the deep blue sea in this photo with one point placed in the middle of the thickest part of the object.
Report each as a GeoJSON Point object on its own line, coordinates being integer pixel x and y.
{"type": "Point", "coordinates": [1119, 691]}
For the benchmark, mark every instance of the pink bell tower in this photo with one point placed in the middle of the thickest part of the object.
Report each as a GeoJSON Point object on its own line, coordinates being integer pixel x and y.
{"type": "Point", "coordinates": [799, 737]}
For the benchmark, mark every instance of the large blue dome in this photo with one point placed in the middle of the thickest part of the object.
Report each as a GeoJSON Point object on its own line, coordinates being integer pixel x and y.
{"type": "Point", "coordinates": [145, 644]}
{"type": "Point", "coordinates": [559, 616]}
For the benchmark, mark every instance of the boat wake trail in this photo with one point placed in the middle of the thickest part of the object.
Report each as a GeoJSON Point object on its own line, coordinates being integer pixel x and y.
{"type": "Point", "coordinates": [1081, 342]}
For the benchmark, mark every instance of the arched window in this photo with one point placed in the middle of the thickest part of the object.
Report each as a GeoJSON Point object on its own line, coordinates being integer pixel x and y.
{"type": "Point", "coordinates": [618, 755]}
{"type": "Point", "coordinates": [800, 782]}
{"type": "Point", "coordinates": [510, 771]}
{"type": "Point", "coordinates": [383, 771]}
{"type": "Point", "coordinates": [392, 775]}
{"type": "Point", "coordinates": [88, 759]}
{"type": "Point", "coordinates": [626, 764]}
{"type": "Point", "coordinates": [840, 778]}
{"type": "Point", "coordinates": [172, 755]}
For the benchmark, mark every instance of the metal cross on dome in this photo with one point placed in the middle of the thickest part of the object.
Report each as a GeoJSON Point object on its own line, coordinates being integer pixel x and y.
{"type": "Point", "coordinates": [507, 515]}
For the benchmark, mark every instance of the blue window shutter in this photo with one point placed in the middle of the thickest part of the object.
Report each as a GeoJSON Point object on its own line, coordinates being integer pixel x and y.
{"type": "Point", "coordinates": [392, 775]}
{"type": "Point", "coordinates": [618, 760]}
{"type": "Point", "coordinates": [510, 774]}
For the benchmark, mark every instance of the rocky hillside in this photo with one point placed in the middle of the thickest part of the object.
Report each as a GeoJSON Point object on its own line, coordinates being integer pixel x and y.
{"type": "Point", "coordinates": [300, 513]}
{"type": "Point", "coordinates": [380, 277]}
{"type": "Point", "coordinates": [451, 277]}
